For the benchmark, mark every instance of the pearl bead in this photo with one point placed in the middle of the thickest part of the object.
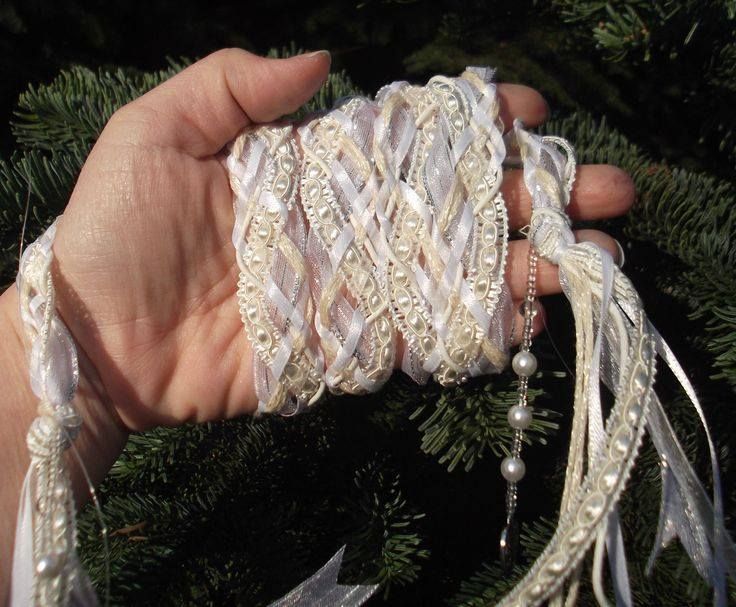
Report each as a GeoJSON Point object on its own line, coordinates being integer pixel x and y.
{"type": "Point", "coordinates": [59, 520]}
{"type": "Point", "coordinates": [513, 469]}
{"type": "Point", "coordinates": [59, 489]}
{"type": "Point", "coordinates": [403, 299]}
{"type": "Point", "coordinates": [287, 164]}
{"type": "Point", "coordinates": [49, 565]}
{"type": "Point", "coordinates": [524, 363]}
{"type": "Point", "coordinates": [520, 417]}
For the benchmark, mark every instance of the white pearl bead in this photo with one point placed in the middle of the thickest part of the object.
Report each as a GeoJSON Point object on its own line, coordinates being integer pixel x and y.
{"type": "Point", "coordinates": [520, 417]}
{"type": "Point", "coordinates": [59, 520]}
{"type": "Point", "coordinates": [524, 363]}
{"type": "Point", "coordinates": [513, 469]}
{"type": "Point", "coordinates": [49, 565]}
{"type": "Point", "coordinates": [59, 489]}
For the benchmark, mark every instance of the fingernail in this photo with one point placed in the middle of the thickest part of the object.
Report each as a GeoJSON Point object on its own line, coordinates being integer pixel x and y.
{"type": "Point", "coordinates": [620, 258]}
{"type": "Point", "coordinates": [317, 53]}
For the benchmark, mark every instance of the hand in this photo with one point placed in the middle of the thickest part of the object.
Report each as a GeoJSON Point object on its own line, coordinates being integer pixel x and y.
{"type": "Point", "coordinates": [147, 274]}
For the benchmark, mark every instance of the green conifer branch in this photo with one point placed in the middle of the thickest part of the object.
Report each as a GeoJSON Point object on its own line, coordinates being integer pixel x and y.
{"type": "Point", "coordinates": [467, 421]}
{"type": "Point", "coordinates": [385, 546]}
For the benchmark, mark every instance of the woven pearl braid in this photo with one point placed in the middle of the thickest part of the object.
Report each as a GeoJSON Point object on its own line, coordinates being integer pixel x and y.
{"type": "Point", "coordinates": [406, 230]}
{"type": "Point", "coordinates": [47, 514]}
{"type": "Point", "coordinates": [273, 292]}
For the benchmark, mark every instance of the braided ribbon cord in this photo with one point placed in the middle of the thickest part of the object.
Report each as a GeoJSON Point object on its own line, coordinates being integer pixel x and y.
{"type": "Point", "coordinates": [408, 230]}
{"type": "Point", "coordinates": [447, 246]}
{"type": "Point", "coordinates": [403, 227]}
{"type": "Point", "coordinates": [269, 237]}
{"type": "Point", "coordinates": [337, 191]}
{"type": "Point", "coordinates": [46, 570]}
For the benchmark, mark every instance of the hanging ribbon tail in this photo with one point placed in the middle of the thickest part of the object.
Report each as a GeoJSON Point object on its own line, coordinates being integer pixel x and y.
{"type": "Point", "coordinates": [614, 546]}
{"type": "Point", "coordinates": [687, 513]}
{"type": "Point", "coordinates": [617, 346]}
{"type": "Point", "coordinates": [82, 594]}
{"type": "Point", "coordinates": [21, 589]}
{"type": "Point", "coordinates": [322, 589]}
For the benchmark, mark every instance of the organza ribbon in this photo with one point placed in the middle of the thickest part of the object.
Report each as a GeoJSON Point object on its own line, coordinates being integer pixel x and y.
{"type": "Point", "coordinates": [322, 589]}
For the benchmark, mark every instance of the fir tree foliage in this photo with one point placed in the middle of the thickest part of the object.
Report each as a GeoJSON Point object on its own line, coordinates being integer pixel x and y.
{"type": "Point", "coordinates": [56, 125]}
{"type": "Point", "coordinates": [378, 511]}
{"type": "Point", "coordinates": [685, 51]}
{"type": "Point", "coordinates": [465, 421]}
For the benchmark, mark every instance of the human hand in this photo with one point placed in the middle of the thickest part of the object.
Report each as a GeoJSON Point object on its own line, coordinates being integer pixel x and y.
{"type": "Point", "coordinates": [147, 276]}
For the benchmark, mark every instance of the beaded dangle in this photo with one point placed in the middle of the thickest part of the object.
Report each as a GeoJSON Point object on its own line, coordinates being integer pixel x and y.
{"type": "Point", "coordinates": [520, 417]}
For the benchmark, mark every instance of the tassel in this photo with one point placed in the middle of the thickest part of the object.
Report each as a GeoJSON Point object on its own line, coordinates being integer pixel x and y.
{"type": "Point", "coordinates": [617, 345]}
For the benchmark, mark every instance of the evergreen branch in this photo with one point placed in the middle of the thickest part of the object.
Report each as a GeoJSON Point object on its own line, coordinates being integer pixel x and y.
{"type": "Point", "coordinates": [468, 420]}
{"type": "Point", "coordinates": [76, 105]}
{"type": "Point", "coordinates": [384, 547]}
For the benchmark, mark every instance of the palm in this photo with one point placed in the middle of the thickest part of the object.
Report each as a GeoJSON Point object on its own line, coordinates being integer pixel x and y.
{"type": "Point", "coordinates": [147, 270]}
{"type": "Point", "coordinates": [158, 274]}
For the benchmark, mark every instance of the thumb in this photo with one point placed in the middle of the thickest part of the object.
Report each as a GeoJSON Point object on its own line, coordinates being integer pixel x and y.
{"type": "Point", "coordinates": [203, 107]}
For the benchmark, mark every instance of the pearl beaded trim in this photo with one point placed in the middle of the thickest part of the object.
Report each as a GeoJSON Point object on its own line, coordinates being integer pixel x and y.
{"type": "Point", "coordinates": [405, 229]}
{"type": "Point", "coordinates": [46, 540]}
{"type": "Point", "coordinates": [273, 293]}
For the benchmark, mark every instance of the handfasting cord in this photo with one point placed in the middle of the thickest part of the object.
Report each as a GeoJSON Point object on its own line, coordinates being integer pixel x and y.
{"type": "Point", "coordinates": [386, 220]}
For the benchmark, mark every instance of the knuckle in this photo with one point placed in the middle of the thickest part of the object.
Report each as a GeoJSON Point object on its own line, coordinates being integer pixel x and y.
{"type": "Point", "coordinates": [541, 106]}
{"type": "Point", "coordinates": [229, 55]}
{"type": "Point", "coordinates": [131, 123]}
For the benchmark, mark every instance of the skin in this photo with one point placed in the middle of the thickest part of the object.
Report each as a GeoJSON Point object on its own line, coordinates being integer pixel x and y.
{"type": "Point", "coordinates": [145, 273]}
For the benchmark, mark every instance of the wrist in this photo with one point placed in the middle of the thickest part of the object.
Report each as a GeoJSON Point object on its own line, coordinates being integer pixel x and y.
{"type": "Point", "coordinates": [102, 436]}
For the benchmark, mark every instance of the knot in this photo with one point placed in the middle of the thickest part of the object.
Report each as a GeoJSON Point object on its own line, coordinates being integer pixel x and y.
{"type": "Point", "coordinates": [44, 437]}
{"type": "Point", "coordinates": [54, 428]}
{"type": "Point", "coordinates": [68, 418]}
{"type": "Point", "coordinates": [550, 233]}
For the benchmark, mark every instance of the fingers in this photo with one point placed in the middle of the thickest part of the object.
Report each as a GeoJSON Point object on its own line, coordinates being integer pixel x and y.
{"type": "Point", "coordinates": [600, 191]}
{"type": "Point", "coordinates": [523, 102]}
{"type": "Point", "coordinates": [202, 108]}
{"type": "Point", "coordinates": [548, 281]}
